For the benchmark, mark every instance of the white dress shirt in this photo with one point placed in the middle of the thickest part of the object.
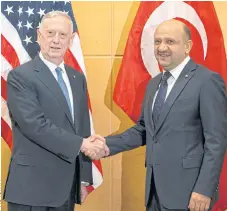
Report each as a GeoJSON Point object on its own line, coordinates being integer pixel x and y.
{"type": "Point", "coordinates": [52, 68]}
{"type": "Point", "coordinates": [173, 78]}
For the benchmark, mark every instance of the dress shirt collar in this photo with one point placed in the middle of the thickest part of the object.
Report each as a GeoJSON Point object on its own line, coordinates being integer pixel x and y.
{"type": "Point", "coordinates": [51, 65]}
{"type": "Point", "coordinates": [177, 70]}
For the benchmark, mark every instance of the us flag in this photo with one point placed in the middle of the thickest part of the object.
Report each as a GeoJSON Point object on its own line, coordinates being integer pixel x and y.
{"type": "Point", "coordinates": [20, 21]}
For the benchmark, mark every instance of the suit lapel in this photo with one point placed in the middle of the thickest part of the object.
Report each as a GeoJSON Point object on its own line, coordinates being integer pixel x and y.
{"type": "Point", "coordinates": [47, 78]}
{"type": "Point", "coordinates": [181, 82]}
{"type": "Point", "coordinates": [75, 86]}
{"type": "Point", "coordinates": [152, 90]}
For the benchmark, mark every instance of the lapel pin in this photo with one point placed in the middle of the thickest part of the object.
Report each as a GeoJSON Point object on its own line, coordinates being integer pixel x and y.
{"type": "Point", "coordinates": [74, 76]}
{"type": "Point", "coordinates": [186, 76]}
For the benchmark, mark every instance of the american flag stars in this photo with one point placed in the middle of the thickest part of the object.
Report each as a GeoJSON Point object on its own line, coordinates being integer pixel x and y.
{"type": "Point", "coordinates": [26, 17]}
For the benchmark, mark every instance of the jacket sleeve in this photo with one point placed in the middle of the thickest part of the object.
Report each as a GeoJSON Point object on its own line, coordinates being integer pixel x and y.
{"type": "Point", "coordinates": [85, 161]}
{"type": "Point", "coordinates": [130, 139]}
{"type": "Point", "coordinates": [26, 112]}
{"type": "Point", "coordinates": [86, 170]}
{"type": "Point", "coordinates": [213, 113]}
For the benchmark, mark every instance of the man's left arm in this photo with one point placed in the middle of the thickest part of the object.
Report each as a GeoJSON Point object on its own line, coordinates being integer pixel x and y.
{"type": "Point", "coordinates": [85, 161]}
{"type": "Point", "coordinates": [86, 170]}
{"type": "Point", "coordinates": [213, 113]}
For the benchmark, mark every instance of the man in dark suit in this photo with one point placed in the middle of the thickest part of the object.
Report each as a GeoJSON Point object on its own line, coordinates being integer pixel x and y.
{"type": "Point", "coordinates": [48, 106]}
{"type": "Point", "coordinates": [183, 124]}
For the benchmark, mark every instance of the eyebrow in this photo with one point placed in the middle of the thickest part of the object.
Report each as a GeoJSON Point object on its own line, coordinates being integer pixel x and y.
{"type": "Point", "coordinates": [165, 38]}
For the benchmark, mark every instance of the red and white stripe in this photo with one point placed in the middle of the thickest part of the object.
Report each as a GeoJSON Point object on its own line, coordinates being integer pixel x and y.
{"type": "Point", "coordinates": [13, 54]}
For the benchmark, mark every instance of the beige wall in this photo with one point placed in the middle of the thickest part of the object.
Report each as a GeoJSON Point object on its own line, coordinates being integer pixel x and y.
{"type": "Point", "coordinates": [104, 28]}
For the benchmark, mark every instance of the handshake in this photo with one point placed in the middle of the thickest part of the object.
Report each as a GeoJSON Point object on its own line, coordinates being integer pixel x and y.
{"type": "Point", "coordinates": [95, 147]}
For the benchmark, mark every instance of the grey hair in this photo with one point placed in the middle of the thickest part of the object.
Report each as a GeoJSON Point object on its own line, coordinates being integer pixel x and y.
{"type": "Point", "coordinates": [53, 14]}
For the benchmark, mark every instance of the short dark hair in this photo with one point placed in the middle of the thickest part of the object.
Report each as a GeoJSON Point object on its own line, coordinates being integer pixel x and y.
{"type": "Point", "coordinates": [187, 32]}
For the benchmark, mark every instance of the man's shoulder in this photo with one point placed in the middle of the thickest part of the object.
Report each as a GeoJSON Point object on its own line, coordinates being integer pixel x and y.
{"type": "Point", "coordinates": [205, 72]}
{"type": "Point", "coordinates": [75, 72]}
{"type": "Point", "coordinates": [25, 66]}
{"type": "Point", "coordinates": [23, 69]}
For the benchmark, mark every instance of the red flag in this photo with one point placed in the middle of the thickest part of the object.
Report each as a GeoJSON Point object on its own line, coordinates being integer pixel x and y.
{"type": "Point", "coordinates": [139, 65]}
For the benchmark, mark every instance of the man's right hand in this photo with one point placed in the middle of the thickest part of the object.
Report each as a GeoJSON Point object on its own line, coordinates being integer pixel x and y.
{"type": "Point", "coordinates": [95, 147]}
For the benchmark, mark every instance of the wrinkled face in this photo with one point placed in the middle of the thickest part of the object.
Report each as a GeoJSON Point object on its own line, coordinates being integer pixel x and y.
{"type": "Point", "coordinates": [55, 37]}
{"type": "Point", "coordinates": [170, 45]}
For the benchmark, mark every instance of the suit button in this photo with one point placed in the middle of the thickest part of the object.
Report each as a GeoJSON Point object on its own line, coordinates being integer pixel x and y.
{"type": "Point", "coordinates": [216, 189]}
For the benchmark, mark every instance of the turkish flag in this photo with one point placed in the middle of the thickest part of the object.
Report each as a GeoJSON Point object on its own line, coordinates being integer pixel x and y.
{"type": "Point", "coordinates": [139, 64]}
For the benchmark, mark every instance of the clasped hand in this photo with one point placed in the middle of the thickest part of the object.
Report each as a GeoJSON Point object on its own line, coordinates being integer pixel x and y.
{"type": "Point", "coordinates": [95, 147]}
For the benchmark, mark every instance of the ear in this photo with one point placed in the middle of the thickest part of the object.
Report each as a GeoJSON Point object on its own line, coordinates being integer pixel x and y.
{"type": "Point", "coordinates": [38, 36]}
{"type": "Point", "coordinates": [71, 40]}
{"type": "Point", "coordinates": [188, 46]}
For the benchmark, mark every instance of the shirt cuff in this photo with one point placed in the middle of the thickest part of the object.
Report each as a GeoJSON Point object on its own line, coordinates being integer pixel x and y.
{"type": "Point", "coordinates": [85, 183]}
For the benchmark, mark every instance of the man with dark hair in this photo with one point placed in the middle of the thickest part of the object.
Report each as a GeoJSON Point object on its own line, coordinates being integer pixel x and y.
{"type": "Point", "coordinates": [183, 124]}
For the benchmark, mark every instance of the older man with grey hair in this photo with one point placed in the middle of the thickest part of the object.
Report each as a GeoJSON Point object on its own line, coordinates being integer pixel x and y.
{"type": "Point", "coordinates": [48, 106]}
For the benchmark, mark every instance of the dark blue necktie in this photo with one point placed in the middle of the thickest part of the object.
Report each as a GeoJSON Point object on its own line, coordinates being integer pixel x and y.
{"type": "Point", "coordinates": [160, 98]}
{"type": "Point", "coordinates": [63, 86]}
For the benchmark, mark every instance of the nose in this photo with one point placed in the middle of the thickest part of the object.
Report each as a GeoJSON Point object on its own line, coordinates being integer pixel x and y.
{"type": "Point", "coordinates": [56, 38]}
{"type": "Point", "coordinates": [162, 47]}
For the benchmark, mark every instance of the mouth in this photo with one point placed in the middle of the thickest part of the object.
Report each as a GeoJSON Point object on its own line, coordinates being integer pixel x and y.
{"type": "Point", "coordinates": [55, 48]}
{"type": "Point", "coordinates": [163, 55]}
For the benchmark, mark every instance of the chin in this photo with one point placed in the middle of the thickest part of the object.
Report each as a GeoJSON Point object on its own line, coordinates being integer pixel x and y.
{"type": "Point", "coordinates": [164, 64]}
{"type": "Point", "coordinates": [55, 55]}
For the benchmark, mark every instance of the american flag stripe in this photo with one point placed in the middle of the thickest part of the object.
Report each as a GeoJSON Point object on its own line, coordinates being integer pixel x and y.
{"type": "Point", "coordinates": [10, 60]}
{"type": "Point", "coordinates": [5, 67]}
{"type": "Point", "coordinates": [3, 87]}
{"type": "Point", "coordinates": [16, 52]}
{"type": "Point", "coordinates": [77, 52]}
{"type": "Point", "coordinates": [13, 38]}
{"type": "Point", "coordinates": [6, 133]}
{"type": "Point", "coordinates": [9, 53]}
{"type": "Point", "coordinates": [70, 60]}
{"type": "Point", "coordinates": [5, 115]}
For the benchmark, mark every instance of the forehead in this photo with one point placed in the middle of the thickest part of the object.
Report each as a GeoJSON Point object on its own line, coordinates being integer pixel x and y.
{"type": "Point", "coordinates": [57, 22]}
{"type": "Point", "coordinates": [169, 30]}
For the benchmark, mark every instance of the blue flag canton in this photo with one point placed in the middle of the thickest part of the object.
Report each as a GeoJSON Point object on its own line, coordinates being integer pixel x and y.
{"type": "Point", "coordinates": [25, 16]}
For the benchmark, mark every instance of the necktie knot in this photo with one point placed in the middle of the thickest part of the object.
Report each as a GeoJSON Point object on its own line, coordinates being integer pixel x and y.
{"type": "Point", "coordinates": [166, 75]}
